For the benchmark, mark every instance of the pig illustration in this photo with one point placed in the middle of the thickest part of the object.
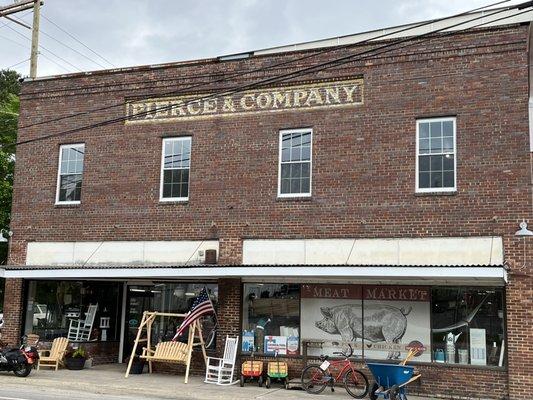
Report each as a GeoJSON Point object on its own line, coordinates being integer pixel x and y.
{"type": "Point", "coordinates": [382, 323]}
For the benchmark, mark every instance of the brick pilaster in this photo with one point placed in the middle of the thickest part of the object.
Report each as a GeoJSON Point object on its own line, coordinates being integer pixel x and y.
{"type": "Point", "coordinates": [13, 307]}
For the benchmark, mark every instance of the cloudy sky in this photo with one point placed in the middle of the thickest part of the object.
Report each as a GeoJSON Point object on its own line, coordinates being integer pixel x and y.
{"type": "Point", "coordinates": [137, 32]}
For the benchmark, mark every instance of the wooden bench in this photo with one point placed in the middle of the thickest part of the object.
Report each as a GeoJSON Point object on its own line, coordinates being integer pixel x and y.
{"type": "Point", "coordinates": [174, 352]}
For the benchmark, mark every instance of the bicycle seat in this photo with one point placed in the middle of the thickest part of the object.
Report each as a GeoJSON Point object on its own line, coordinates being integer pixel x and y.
{"type": "Point", "coordinates": [323, 357]}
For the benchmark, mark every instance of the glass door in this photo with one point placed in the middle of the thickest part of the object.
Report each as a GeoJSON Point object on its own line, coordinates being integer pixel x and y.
{"type": "Point", "coordinates": [139, 300]}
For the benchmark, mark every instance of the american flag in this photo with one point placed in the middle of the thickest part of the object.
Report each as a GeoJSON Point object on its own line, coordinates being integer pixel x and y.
{"type": "Point", "coordinates": [202, 305]}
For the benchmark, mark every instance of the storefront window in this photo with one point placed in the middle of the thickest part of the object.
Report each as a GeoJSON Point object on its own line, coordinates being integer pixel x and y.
{"type": "Point", "coordinates": [462, 325]}
{"type": "Point", "coordinates": [468, 326]}
{"type": "Point", "coordinates": [51, 305]}
{"type": "Point", "coordinates": [271, 319]}
{"type": "Point", "coordinates": [174, 298]}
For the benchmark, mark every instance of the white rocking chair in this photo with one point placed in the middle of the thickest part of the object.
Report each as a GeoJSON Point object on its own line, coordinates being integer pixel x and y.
{"type": "Point", "coordinates": [80, 330]}
{"type": "Point", "coordinates": [220, 371]}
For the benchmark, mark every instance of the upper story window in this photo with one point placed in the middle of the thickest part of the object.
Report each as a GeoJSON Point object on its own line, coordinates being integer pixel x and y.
{"type": "Point", "coordinates": [70, 174]}
{"type": "Point", "coordinates": [295, 163]}
{"type": "Point", "coordinates": [436, 155]}
{"type": "Point", "coordinates": [175, 166]}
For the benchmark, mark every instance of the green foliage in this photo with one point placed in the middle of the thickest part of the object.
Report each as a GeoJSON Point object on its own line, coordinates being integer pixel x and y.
{"type": "Point", "coordinates": [9, 112]}
{"type": "Point", "coordinates": [79, 353]}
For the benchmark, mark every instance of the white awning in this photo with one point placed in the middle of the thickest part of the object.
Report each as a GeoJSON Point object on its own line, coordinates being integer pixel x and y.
{"type": "Point", "coordinates": [469, 275]}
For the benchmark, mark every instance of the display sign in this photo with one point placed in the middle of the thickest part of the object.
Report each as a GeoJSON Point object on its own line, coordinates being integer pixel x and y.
{"type": "Point", "coordinates": [324, 94]}
{"type": "Point", "coordinates": [276, 344]}
{"type": "Point", "coordinates": [387, 321]}
{"type": "Point", "coordinates": [478, 346]}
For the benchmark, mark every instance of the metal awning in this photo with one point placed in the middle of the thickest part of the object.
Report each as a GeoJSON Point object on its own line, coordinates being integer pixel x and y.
{"type": "Point", "coordinates": [471, 274]}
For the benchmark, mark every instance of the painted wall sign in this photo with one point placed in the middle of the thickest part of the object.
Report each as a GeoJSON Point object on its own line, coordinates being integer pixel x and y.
{"type": "Point", "coordinates": [330, 291]}
{"type": "Point", "coordinates": [383, 321]}
{"type": "Point", "coordinates": [316, 95]}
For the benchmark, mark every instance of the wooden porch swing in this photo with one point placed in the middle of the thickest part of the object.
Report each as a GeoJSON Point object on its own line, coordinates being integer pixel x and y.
{"type": "Point", "coordinates": [170, 352]}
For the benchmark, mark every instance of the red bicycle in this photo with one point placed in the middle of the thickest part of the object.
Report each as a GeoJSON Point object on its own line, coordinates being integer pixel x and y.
{"type": "Point", "coordinates": [316, 377]}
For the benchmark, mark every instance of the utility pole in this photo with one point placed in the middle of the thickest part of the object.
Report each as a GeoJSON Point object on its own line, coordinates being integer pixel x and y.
{"type": "Point", "coordinates": [22, 5]}
{"type": "Point", "coordinates": [35, 38]}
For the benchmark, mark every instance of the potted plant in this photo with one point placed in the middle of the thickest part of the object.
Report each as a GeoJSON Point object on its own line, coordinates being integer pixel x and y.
{"type": "Point", "coordinates": [75, 359]}
{"type": "Point", "coordinates": [137, 365]}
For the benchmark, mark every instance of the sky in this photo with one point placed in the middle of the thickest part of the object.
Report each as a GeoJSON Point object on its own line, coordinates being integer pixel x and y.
{"type": "Point", "coordinates": [121, 33]}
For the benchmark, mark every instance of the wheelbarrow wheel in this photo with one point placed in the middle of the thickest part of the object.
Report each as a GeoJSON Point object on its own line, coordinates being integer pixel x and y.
{"type": "Point", "coordinates": [355, 383]}
{"type": "Point", "coordinates": [241, 381]}
{"type": "Point", "coordinates": [314, 379]}
{"type": "Point", "coordinates": [268, 382]}
{"type": "Point", "coordinates": [394, 393]}
{"type": "Point", "coordinates": [373, 395]}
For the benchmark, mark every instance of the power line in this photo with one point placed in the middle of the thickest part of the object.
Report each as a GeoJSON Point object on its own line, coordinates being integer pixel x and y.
{"type": "Point", "coordinates": [277, 65]}
{"type": "Point", "coordinates": [45, 49]}
{"type": "Point", "coordinates": [14, 41]}
{"type": "Point", "coordinates": [21, 62]}
{"type": "Point", "coordinates": [305, 71]}
{"type": "Point", "coordinates": [67, 46]}
{"type": "Point", "coordinates": [77, 40]}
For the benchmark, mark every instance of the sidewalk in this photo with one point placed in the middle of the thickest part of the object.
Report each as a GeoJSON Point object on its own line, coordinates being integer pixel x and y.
{"type": "Point", "coordinates": [109, 380]}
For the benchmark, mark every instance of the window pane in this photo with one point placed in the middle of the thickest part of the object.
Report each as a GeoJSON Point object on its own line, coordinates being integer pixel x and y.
{"type": "Point", "coordinates": [449, 179]}
{"type": "Point", "coordinates": [436, 145]}
{"type": "Point", "coordinates": [296, 170]}
{"type": "Point", "coordinates": [306, 153]}
{"type": "Point", "coordinates": [435, 129]}
{"type": "Point", "coordinates": [285, 186]}
{"type": "Point", "coordinates": [306, 139]}
{"type": "Point", "coordinates": [167, 190]}
{"type": "Point", "coordinates": [70, 187]}
{"type": "Point", "coordinates": [447, 128]}
{"type": "Point", "coordinates": [285, 155]}
{"type": "Point", "coordinates": [305, 182]}
{"type": "Point", "coordinates": [424, 146]}
{"type": "Point", "coordinates": [448, 162]}
{"type": "Point", "coordinates": [423, 163]}
{"type": "Point", "coordinates": [447, 144]}
{"type": "Point", "coordinates": [167, 176]}
{"type": "Point", "coordinates": [296, 140]}
{"type": "Point", "coordinates": [295, 186]}
{"type": "Point", "coordinates": [286, 141]}
{"type": "Point", "coordinates": [436, 179]}
{"type": "Point", "coordinates": [423, 130]}
{"type": "Point", "coordinates": [423, 180]}
{"type": "Point", "coordinates": [305, 170]}
{"type": "Point", "coordinates": [271, 318]}
{"type": "Point", "coordinates": [185, 190]}
{"type": "Point", "coordinates": [436, 163]}
{"type": "Point", "coordinates": [296, 154]}
{"type": "Point", "coordinates": [285, 170]}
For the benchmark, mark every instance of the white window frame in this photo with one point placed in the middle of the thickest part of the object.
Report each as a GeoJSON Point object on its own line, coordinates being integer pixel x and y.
{"type": "Point", "coordinates": [61, 148]}
{"type": "Point", "coordinates": [442, 189]}
{"type": "Point", "coordinates": [173, 199]}
{"type": "Point", "coordinates": [280, 145]}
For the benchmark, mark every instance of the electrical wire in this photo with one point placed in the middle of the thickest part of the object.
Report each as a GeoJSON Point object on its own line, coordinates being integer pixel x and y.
{"type": "Point", "coordinates": [77, 40]}
{"type": "Point", "coordinates": [45, 49]}
{"type": "Point", "coordinates": [21, 62]}
{"type": "Point", "coordinates": [305, 71]}
{"type": "Point", "coordinates": [277, 65]}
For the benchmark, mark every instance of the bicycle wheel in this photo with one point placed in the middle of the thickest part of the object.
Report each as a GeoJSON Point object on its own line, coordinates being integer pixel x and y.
{"type": "Point", "coordinates": [314, 379]}
{"type": "Point", "coordinates": [355, 383]}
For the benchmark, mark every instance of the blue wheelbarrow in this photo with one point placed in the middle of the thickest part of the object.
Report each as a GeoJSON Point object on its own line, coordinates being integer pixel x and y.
{"type": "Point", "coordinates": [391, 381]}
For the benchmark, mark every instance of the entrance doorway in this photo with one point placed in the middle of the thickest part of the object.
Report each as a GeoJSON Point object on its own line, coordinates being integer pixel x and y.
{"type": "Point", "coordinates": [138, 300]}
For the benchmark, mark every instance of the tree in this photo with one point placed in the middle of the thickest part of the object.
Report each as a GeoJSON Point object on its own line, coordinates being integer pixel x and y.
{"type": "Point", "coordinates": [9, 112]}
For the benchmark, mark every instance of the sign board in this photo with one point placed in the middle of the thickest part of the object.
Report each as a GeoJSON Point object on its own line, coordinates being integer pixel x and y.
{"type": "Point", "coordinates": [275, 344]}
{"type": "Point", "coordinates": [323, 94]}
{"type": "Point", "coordinates": [478, 346]}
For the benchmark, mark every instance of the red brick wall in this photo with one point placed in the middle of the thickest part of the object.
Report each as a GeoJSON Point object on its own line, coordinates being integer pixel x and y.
{"type": "Point", "coordinates": [13, 308]}
{"type": "Point", "coordinates": [363, 163]}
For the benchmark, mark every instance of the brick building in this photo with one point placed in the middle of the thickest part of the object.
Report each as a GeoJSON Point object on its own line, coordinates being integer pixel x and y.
{"type": "Point", "coordinates": [373, 202]}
